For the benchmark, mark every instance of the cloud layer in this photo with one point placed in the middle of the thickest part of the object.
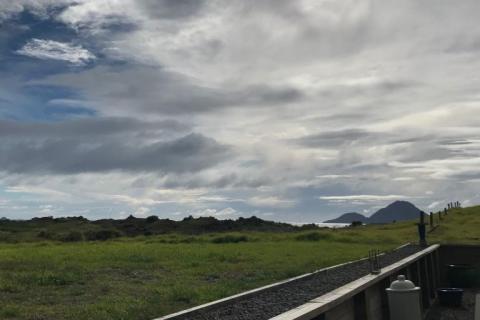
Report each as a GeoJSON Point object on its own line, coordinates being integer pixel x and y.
{"type": "Point", "coordinates": [295, 111]}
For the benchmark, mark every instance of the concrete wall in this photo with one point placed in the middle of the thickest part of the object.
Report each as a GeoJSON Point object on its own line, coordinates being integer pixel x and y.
{"type": "Point", "coordinates": [374, 302]}
{"type": "Point", "coordinates": [344, 311]}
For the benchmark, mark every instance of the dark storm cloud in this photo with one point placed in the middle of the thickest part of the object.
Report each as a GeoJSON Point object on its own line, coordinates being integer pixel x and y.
{"type": "Point", "coordinates": [413, 139]}
{"type": "Point", "coordinates": [455, 142]}
{"type": "Point", "coordinates": [374, 88]}
{"type": "Point", "coordinates": [172, 9]}
{"type": "Point", "coordinates": [231, 180]}
{"type": "Point", "coordinates": [472, 46]}
{"type": "Point", "coordinates": [103, 145]}
{"type": "Point", "coordinates": [342, 118]}
{"type": "Point", "coordinates": [86, 127]}
{"type": "Point", "coordinates": [334, 138]}
{"type": "Point", "coordinates": [265, 95]}
{"type": "Point", "coordinates": [466, 176]}
{"type": "Point", "coordinates": [429, 147]}
{"type": "Point", "coordinates": [159, 91]}
{"type": "Point", "coordinates": [190, 153]}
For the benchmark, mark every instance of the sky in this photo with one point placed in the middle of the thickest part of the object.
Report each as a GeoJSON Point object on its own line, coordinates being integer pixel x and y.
{"type": "Point", "coordinates": [292, 111]}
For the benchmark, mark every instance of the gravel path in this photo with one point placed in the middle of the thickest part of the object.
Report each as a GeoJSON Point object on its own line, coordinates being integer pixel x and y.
{"type": "Point", "coordinates": [274, 301]}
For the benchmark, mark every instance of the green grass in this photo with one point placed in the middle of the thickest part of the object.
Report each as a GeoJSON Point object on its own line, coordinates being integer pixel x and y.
{"type": "Point", "coordinates": [146, 277]}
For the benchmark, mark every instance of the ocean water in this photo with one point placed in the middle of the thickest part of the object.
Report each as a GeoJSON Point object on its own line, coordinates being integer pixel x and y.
{"type": "Point", "coordinates": [323, 224]}
{"type": "Point", "coordinates": [332, 225]}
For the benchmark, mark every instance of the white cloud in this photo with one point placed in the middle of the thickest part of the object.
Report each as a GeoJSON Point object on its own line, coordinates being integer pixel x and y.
{"type": "Point", "coordinates": [434, 205]}
{"type": "Point", "coordinates": [334, 176]}
{"type": "Point", "coordinates": [54, 50]}
{"type": "Point", "coordinates": [142, 212]}
{"type": "Point", "coordinates": [38, 191]}
{"type": "Point", "coordinates": [364, 197]}
{"type": "Point", "coordinates": [442, 168]}
{"type": "Point", "coordinates": [270, 201]}
{"type": "Point", "coordinates": [222, 213]}
{"type": "Point", "coordinates": [403, 179]}
{"type": "Point", "coordinates": [47, 209]}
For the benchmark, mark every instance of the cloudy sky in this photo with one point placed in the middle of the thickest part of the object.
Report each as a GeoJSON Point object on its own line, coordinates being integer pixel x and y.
{"type": "Point", "coordinates": [288, 110]}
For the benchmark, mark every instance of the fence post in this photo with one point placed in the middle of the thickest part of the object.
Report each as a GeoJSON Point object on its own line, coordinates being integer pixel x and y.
{"type": "Point", "coordinates": [421, 230]}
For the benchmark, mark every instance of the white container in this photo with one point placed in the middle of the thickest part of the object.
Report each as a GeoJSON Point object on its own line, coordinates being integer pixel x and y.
{"type": "Point", "coordinates": [404, 300]}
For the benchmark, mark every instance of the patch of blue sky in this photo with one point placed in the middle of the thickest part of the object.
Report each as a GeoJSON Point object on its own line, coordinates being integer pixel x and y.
{"type": "Point", "coordinates": [45, 103]}
{"type": "Point", "coordinates": [19, 99]}
{"type": "Point", "coordinates": [15, 33]}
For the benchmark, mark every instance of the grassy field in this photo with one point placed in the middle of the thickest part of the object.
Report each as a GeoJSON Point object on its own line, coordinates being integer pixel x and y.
{"type": "Point", "coordinates": [149, 276]}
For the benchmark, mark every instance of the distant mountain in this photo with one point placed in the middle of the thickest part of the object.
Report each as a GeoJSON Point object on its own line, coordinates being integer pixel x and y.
{"type": "Point", "coordinates": [349, 218]}
{"type": "Point", "coordinates": [396, 211]}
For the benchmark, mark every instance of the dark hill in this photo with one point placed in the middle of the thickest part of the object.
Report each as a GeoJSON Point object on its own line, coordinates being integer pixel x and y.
{"type": "Point", "coordinates": [396, 211]}
{"type": "Point", "coordinates": [79, 228]}
{"type": "Point", "coordinates": [349, 218]}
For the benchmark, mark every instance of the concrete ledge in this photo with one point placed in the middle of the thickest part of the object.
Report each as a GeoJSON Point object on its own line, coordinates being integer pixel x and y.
{"type": "Point", "coordinates": [327, 301]}
{"type": "Point", "coordinates": [245, 294]}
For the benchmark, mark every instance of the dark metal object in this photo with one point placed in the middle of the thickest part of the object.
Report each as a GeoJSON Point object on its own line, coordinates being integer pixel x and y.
{"type": "Point", "coordinates": [422, 235]}
{"type": "Point", "coordinates": [463, 275]}
{"type": "Point", "coordinates": [374, 262]}
{"type": "Point", "coordinates": [450, 297]}
{"type": "Point", "coordinates": [422, 230]}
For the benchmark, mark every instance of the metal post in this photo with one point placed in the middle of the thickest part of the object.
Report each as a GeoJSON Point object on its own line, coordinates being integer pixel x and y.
{"type": "Point", "coordinates": [421, 230]}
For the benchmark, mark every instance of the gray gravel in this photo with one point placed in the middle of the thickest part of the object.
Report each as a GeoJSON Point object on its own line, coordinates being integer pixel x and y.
{"type": "Point", "coordinates": [274, 301]}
